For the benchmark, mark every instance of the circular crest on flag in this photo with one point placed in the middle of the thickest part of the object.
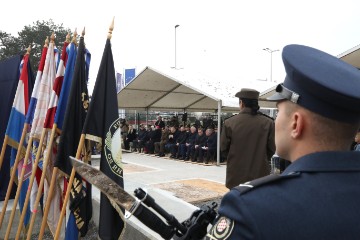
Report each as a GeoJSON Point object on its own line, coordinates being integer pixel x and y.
{"type": "Point", "coordinates": [222, 229]}
{"type": "Point", "coordinates": [112, 148]}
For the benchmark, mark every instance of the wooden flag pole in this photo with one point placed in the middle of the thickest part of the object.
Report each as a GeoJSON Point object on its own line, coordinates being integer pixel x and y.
{"type": "Point", "coordinates": [13, 172]}
{"type": "Point", "coordinates": [20, 182]}
{"type": "Point", "coordinates": [48, 201]}
{"type": "Point", "coordinates": [41, 184]}
{"type": "Point", "coordinates": [53, 178]}
{"type": "Point", "coordinates": [6, 140]}
{"type": "Point", "coordinates": [67, 196]}
{"type": "Point", "coordinates": [31, 182]}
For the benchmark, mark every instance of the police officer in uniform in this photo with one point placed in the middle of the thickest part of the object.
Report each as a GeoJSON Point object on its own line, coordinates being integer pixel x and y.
{"type": "Point", "coordinates": [247, 139]}
{"type": "Point", "coordinates": [317, 196]}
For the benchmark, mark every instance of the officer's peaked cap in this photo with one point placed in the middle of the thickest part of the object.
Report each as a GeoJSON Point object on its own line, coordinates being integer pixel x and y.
{"type": "Point", "coordinates": [320, 83]}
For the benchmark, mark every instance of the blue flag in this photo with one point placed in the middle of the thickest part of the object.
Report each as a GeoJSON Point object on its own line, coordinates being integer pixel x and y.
{"type": "Point", "coordinates": [65, 89]}
{"type": "Point", "coordinates": [129, 75]}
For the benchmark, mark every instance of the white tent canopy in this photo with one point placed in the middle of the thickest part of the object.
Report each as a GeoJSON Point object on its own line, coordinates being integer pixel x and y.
{"type": "Point", "coordinates": [180, 90]}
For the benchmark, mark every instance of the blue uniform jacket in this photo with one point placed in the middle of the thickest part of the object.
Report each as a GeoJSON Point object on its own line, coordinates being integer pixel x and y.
{"type": "Point", "coordinates": [316, 197]}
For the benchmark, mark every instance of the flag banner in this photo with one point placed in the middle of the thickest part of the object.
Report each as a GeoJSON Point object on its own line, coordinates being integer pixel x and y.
{"type": "Point", "coordinates": [9, 77]}
{"type": "Point", "coordinates": [37, 174]}
{"type": "Point", "coordinates": [75, 114]}
{"type": "Point", "coordinates": [45, 87]}
{"type": "Point", "coordinates": [56, 201]}
{"type": "Point", "coordinates": [66, 85]}
{"type": "Point", "coordinates": [16, 124]}
{"type": "Point", "coordinates": [119, 82]}
{"type": "Point", "coordinates": [55, 93]}
{"type": "Point", "coordinates": [102, 125]}
{"type": "Point", "coordinates": [34, 94]}
{"type": "Point", "coordinates": [57, 58]}
{"type": "Point", "coordinates": [129, 75]}
{"type": "Point", "coordinates": [87, 63]}
{"type": "Point", "coordinates": [21, 104]}
{"type": "Point", "coordinates": [27, 166]}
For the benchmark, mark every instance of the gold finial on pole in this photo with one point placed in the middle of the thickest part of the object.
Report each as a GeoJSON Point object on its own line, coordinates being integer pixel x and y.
{"type": "Point", "coordinates": [83, 32]}
{"type": "Point", "coordinates": [74, 37]}
{"type": "Point", "coordinates": [52, 38]}
{"type": "Point", "coordinates": [111, 28]}
{"type": "Point", "coordinates": [46, 42]}
{"type": "Point", "coordinates": [67, 38]}
{"type": "Point", "coordinates": [28, 50]}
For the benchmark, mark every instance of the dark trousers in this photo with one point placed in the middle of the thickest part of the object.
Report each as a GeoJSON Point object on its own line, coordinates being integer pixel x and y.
{"type": "Point", "coordinates": [169, 147]}
{"type": "Point", "coordinates": [190, 151]}
{"type": "Point", "coordinates": [182, 151]}
{"type": "Point", "coordinates": [138, 145]}
{"type": "Point", "coordinates": [197, 154]}
{"type": "Point", "coordinates": [208, 154]}
{"type": "Point", "coordinates": [150, 146]}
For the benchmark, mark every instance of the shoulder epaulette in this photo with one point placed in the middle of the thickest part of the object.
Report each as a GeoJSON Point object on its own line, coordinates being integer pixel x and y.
{"type": "Point", "coordinates": [245, 187]}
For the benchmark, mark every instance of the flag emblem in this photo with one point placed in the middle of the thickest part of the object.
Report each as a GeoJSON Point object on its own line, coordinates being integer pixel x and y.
{"type": "Point", "coordinates": [222, 229]}
{"type": "Point", "coordinates": [112, 148]}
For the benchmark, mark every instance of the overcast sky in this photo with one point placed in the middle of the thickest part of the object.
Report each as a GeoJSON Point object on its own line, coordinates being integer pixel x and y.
{"type": "Point", "coordinates": [224, 39]}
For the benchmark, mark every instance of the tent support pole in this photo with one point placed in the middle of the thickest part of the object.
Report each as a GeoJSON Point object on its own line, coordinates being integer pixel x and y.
{"type": "Point", "coordinates": [218, 134]}
{"type": "Point", "coordinates": [147, 116]}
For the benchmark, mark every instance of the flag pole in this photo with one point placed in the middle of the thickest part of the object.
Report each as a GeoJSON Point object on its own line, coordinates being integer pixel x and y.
{"type": "Point", "coordinates": [31, 181]}
{"type": "Point", "coordinates": [17, 159]}
{"type": "Point", "coordinates": [13, 173]}
{"type": "Point", "coordinates": [28, 193]}
{"type": "Point", "coordinates": [45, 163]}
{"type": "Point", "coordinates": [20, 182]}
{"type": "Point", "coordinates": [51, 188]}
{"type": "Point", "coordinates": [67, 196]}
{"type": "Point", "coordinates": [78, 156]}
{"type": "Point", "coordinates": [37, 158]}
{"type": "Point", "coordinates": [6, 139]}
{"type": "Point", "coordinates": [53, 177]}
{"type": "Point", "coordinates": [69, 185]}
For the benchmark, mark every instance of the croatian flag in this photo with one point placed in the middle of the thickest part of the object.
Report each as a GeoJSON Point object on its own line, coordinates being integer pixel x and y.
{"type": "Point", "coordinates": [17, 120]}
{"type": "Point", "coordinates": [20, 106]}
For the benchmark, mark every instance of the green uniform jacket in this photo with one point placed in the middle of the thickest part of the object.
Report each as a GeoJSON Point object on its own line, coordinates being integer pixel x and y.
{"type": "Point", "coordinates": [249, 141]}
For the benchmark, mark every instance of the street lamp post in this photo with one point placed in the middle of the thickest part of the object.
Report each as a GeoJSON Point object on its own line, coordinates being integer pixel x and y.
{"type": "Point", "coordinates": [271, 52]}
{"type": "Point", "coordinates": [176, 26]}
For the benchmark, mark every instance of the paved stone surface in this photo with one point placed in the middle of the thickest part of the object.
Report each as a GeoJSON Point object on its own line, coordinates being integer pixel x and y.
{"type": "Point", "coordinates": [178, 187]}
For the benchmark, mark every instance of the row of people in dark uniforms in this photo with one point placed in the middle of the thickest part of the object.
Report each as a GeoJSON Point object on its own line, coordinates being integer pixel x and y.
{"type": "Point", "coordinates": [183, 142]}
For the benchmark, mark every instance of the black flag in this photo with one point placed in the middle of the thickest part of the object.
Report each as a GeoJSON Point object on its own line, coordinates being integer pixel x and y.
{"type": "Point", "coordinates": [102, 125]}
{"type": "Point", "coordinates": [75, 114]}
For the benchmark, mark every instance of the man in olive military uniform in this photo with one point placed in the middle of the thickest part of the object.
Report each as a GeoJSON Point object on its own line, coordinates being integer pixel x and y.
{"type": "Point", "coordinates": [248, 141]}
{"type": "Point", "coordinates": [317, 196]}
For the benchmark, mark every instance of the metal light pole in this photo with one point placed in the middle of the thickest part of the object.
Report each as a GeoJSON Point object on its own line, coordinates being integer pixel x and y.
{"type": "Point", "coordinates": [271, 52]}
{"type": "Point", "coordinates": [175, 43]}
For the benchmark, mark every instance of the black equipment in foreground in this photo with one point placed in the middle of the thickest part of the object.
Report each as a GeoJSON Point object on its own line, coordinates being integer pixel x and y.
{"type": "Point", "coordinates": [193, 228]}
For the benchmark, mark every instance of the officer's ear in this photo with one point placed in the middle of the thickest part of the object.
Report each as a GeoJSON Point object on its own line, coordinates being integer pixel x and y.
{"type": "Point", "coordinates": [297, 124]}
